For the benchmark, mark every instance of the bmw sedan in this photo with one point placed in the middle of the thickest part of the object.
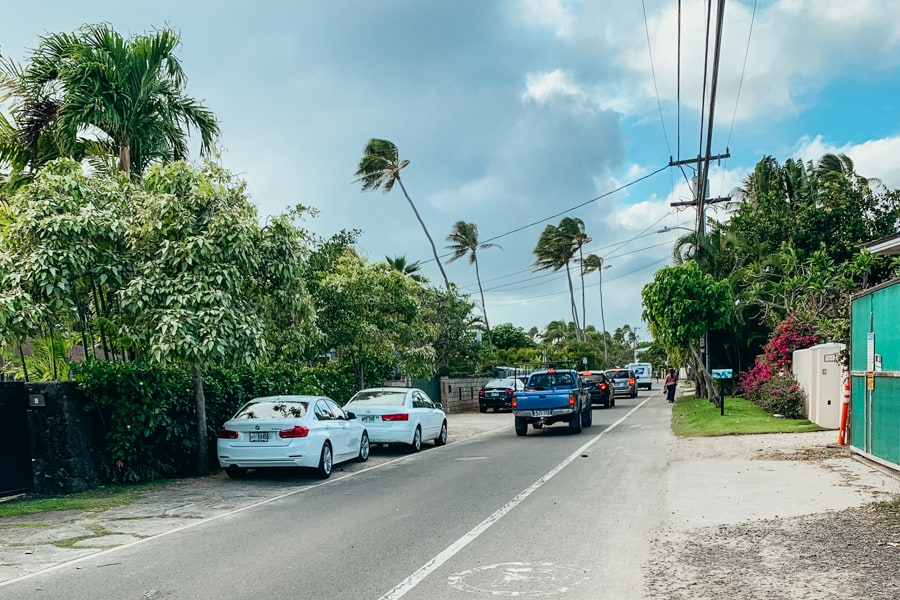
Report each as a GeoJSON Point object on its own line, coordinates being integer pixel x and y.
{"type": "Point", "coordinates": [395, 415]}
{"type": "Point", "coordinates": [291, 431]}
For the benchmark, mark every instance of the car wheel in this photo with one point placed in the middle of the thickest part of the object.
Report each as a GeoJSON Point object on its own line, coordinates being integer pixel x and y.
{"type": "Point", "coordinates": [482, 409]}
{"type": "Point", "coordinates": [612, 399]}
{"type": "Point", "coordinates": [326, 462]}
{"type": "Point", "coordinates": [521, 426]}
{"type": "Point", "coordinates": [441, 439]}
{"type": "Point", "coordinates": [587, 418]}
{"type": "Point", "coordinates": [363, 448]}
{"type": "Point", "coordinates": [607, 400]}
{"type": "Point", "coordinates": [575, 423]}
{"type": "Point", "coordinates": [417, 440]}
{"type": "Point", "coordinates": [634, 394]}
{"type": "Point", "coordinates": [235, 472]}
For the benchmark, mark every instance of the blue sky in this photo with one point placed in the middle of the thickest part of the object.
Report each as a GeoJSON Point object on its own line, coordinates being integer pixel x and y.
{"type": "Point", "coordinates": [512, 111]}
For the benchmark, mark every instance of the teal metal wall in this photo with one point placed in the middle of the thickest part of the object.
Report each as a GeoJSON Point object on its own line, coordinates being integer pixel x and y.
{"type": "Point", "coordinates": [875, 414]}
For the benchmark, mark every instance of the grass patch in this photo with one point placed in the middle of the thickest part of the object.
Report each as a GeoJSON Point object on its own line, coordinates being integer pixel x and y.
{"type": "Point", "coordinates": [692, 416]}
{"type": "Point", "coordinates": [94, 500]}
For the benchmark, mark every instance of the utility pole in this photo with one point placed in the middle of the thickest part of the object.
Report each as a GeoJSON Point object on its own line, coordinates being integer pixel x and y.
{"type": "Point", "coordinates": [701, 190]}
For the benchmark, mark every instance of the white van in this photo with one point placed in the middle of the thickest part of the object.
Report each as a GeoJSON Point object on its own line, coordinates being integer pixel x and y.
{"type": "Point", "coordinates": [644, 372]}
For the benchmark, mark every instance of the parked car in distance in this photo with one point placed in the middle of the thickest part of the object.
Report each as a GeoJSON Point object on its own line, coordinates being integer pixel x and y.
{"type": "Point", "coordinates": [290, 431]}
{"type": "Point", "coordinates": [498, 393]}
{"type": "Point", "coordinates": [600, 388]}
{"type": "Point", "coordinates": [644, 373]}
{"type": "Point", "coordinates": [395, 415]}
{"type": "Point", "coordinates": [624, 381]}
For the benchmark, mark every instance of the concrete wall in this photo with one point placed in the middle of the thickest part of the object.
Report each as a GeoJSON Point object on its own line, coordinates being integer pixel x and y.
{"type": "Point", "coordinates": [819, 374]}
{"type": "Point", "coordinates": [458, 394]}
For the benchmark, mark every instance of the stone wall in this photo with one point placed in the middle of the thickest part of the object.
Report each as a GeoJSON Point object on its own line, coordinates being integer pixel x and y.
{"type": "Point", "coordinates": [458, 394]}
{"type": "Point", "coordinates": [62, 439]}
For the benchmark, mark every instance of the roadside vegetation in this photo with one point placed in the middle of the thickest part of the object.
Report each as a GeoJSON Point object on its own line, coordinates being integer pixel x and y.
{"type": "Point", "coordinates": [97, 500]}
{"type": "Point", "coordinates": [698, 417]}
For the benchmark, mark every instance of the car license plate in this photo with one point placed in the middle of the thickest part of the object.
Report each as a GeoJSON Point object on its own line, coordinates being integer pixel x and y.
{"type": "Point", "coordinates": [367, 418]}
{"type": "Point", "coordinates": [540, 413]}
{"type": "Point", "coordinates": [259, 436]}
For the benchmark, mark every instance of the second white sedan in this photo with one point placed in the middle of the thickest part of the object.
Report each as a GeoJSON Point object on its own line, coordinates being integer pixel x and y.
{"type": "Point", "coordinates": [395, 415]}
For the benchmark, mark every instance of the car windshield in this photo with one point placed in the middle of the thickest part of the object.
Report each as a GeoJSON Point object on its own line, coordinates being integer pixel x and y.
{"type": "Point", "coordinates": [592, 379]}
{"type": "Point", "coordinates": [501, 383]}
{"type": "Point", "coordinates": [380, 398]}
{"type": "Point", "coordinates": [550, 379]}
{"type": "Point", "coordinates": [272, 409]}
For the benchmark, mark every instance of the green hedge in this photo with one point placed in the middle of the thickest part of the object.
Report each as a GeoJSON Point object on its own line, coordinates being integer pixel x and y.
{"type": "Point", "coordinates": [146, 414]}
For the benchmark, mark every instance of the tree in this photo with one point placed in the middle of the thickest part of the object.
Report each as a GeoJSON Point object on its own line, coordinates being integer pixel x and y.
{"type": "Point", "coordinates": [555, 249]}
{"type": "Point", "coordinates": [464, 238]}
{"type": "Point", "coordinates": [681, 305]}
{"type": "Point", "coordinates": [129, 91]}
{"type": "Point", "coordinates": [413, 270]}
{"type": "Point", "coordinates": [379, 168]}
{"type": "Point", "coordinates": [592, 263]}
{"type": "Point", "coordinates": [201, 264]}
{"type": "Point", "coordinates": [507, 336]}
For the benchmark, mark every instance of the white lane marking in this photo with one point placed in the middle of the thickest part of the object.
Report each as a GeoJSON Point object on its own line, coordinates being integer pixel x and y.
{"type": "Point", "coordinates": [402, 588]}
{"type": "Point", "coordinates": [81, 559]}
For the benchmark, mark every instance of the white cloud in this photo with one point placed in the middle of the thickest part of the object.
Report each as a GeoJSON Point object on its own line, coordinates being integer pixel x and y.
{"type": "Point", "coordinates": [873, 159]}
{"type": "Point", "coordinates": [543, 88]}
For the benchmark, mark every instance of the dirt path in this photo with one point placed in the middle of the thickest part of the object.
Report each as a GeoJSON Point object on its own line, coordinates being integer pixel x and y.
{"type": "Point", "coordinates": [785, 516]}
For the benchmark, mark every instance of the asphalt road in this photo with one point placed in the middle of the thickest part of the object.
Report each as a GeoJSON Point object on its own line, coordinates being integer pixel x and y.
{"type": "Point", "coordinates": [550, 514]}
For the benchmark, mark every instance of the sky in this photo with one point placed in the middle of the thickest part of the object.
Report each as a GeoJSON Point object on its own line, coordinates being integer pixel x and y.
{"type": "Point", "coordinates": [517, 113]}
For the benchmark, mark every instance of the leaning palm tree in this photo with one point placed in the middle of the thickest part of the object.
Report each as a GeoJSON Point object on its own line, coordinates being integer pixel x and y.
{"type": "Point", "coordinates": [379, 168]}
{"type": "Point", "coordinates": [589, 264]}
{"type": "Point", "coordinates": [410, 269]}
{"type": "Point", "coordinates": [555, 250]}
{"type": "Point", "coordinates": [465, 242]}
{"type": "Point", "coordinates": [128, 93]}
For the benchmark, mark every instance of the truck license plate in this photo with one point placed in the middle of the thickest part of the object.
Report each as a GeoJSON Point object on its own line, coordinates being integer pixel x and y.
{"type": "Point", "coordinates": [540, 413]}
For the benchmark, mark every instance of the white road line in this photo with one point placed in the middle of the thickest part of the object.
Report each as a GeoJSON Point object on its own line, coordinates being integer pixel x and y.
{"type": "Point", "coordinates": [432, 565]}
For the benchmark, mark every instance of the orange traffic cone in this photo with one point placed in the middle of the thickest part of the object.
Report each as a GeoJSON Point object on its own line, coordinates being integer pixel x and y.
{"type": "Point", "coordinates": [845, 412]}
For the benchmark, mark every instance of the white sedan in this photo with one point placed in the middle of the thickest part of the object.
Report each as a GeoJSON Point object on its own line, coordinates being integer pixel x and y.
{"type": "Point", "coordinates": [291, 431]}
{"type": "Point", "coordinates": [400, 415]}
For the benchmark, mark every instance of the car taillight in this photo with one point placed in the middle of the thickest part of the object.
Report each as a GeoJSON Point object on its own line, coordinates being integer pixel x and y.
{"type": "Point", "coordinates": [631, 381]}
{"type": "Point", "coordinates": [397, 417]}
{"type": "Point", "coordinates": [481, 393]}
{"type": "Point", "coordinates": [601, 386]}
{"type": "Point", "coordinates": [571, 399]}
{"type": "Point", "coordinates": [508, 391]}
{"type": "Point", "coordinates": [226, 434]}
{"type": "Point", "coordinates": [296, 431]}
{"type": "Point", "coordinates": [513, 403]}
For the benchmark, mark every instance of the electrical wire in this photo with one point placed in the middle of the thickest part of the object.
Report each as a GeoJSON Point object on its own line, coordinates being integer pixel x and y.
{"type": "Point", "coordinates": [662, 121]}
{"type": "Point", "coordinates": [743, 71]}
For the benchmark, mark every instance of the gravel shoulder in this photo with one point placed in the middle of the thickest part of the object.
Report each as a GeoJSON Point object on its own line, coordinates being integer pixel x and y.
{"type": "Point", "coordinates": [780, 516]}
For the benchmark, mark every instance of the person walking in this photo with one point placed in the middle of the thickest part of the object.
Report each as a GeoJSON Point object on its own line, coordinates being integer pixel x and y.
{"type": "Point", "coordinates": [670, 383]}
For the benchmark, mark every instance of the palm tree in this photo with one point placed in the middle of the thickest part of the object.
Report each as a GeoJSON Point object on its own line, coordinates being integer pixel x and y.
{"type": "Point", "coordinates": [380, 167]}
{"type": "Point", "coordinates": [589, 264]}
{"type": "Point", "coordinates": [556, 248]}
{"type": "Point", "coordinates": [411, 270]}
{"type": "Point", "coordinates": [129, 93]}
{"type": "Point", "coordinates": [465, 241]}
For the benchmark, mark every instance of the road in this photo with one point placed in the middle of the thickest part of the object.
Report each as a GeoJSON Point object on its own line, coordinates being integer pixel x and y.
{"type": "Point", "coordinates": [550, 514]}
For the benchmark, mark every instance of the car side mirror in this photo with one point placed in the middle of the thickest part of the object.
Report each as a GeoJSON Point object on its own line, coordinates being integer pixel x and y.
{"type": "Point", "coordinates": [351, 415]}
{"type": "Point", "coordinates": [439, 406]}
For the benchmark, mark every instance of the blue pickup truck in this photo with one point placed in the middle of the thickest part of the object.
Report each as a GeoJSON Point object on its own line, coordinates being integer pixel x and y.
{"type": "Point", "coordinates": [552, 396]}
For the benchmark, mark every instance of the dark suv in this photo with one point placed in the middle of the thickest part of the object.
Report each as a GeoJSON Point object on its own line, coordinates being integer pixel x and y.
{"type": "Point", "coordinates": [498, 393]}
{"type": "Point", "coordinates": [624, 381]}
{"type": "Point", "coordinates": [600, 388]}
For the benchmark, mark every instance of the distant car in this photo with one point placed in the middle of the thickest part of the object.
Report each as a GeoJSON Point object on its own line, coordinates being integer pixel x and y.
{"type": "Point", "coordinates": [600, 388]}
{"type": "Point", "coordinates": [624, 382]}
{"type": "Point", "coordinates": [394, 415]}
{"type": "Point", "coordinates": [290, 431]}
{"type": "Point", "coordinates": [644, 374]}
{"type": "Point", "coordinates": [498, 393]}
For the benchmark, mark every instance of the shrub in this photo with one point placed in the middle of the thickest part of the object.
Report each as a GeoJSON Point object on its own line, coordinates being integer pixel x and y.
{"type": "Point", "coordinates": [780, 395]}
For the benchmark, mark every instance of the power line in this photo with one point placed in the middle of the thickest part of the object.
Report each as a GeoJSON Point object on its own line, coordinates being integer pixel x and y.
{"type": "Point", "coordinates": [743, 70]}
{"type": "Point", "coordinates": [662, 121]}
